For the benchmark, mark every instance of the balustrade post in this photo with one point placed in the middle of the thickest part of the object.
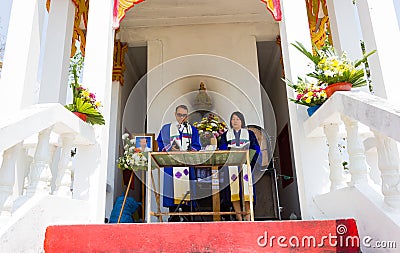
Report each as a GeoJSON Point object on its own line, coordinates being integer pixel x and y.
{"type": "Point", "coordinates": [40, 172]}
{"type": "Point", "coordinates": [336, 169]}
{"type": "Point", "coordinates": [388, 163]}
{"type": "Point", "coordinates": [7, 179]}
{"type": "Point", "coordinates": [63, 181]}
{"type": "Point", "coordinates": [358, 164]}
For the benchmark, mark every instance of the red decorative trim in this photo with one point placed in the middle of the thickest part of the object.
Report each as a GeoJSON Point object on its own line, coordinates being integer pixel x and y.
{"type": "Point", "coordinates": [274, 6]}
{"type": "Point", "coordinates": [123, 7]}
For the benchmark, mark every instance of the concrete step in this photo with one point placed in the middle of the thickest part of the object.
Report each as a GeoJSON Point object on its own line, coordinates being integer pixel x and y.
{"type": "Point", "coordinates": [263, 236]}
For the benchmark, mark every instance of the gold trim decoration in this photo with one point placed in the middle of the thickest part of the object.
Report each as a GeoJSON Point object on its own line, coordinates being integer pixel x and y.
{"type": "Point", "coordinates": [81, 14]}
{"type": "Point", "coordinates": [48, 5]}
{"type": "Point", "coordinates": [278, 42]}
{"type": "Point", "coordinates": [319, 27]}
{"type": "Point", "coordinates": [119, 67]}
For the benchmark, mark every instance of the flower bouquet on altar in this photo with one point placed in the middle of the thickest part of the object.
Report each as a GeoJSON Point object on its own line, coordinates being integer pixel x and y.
{"type": "Point", "coordinates": [84, 103]}
{"type": "Point", "coordinates": [210, 128]}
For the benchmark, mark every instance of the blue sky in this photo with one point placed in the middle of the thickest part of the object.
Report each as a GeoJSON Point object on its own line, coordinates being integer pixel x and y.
{"type": "Point", "coordinates": [5, 9]}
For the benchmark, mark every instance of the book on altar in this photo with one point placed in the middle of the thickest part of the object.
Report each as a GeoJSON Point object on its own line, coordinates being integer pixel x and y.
{"type": "Point", "coordinates": [175, 144]}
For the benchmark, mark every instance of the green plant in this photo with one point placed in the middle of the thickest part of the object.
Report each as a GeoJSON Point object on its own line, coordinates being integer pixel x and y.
{"type": "Point", "coordinates": [330, 67]}
{"type": "Point", "coordinates": [82, 100]}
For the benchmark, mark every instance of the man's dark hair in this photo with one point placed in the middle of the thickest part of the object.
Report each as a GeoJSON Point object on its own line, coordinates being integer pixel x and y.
{"type": "Point", "coordinates": [240, 116]}
{"type": "Point", "coordinates": [181, 106]}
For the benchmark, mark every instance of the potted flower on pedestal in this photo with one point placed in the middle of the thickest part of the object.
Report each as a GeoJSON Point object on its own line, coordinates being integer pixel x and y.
{"type": "Point", "coordinates": [333, 71]}
{"type": "Point", "coordinates": [84, 103]}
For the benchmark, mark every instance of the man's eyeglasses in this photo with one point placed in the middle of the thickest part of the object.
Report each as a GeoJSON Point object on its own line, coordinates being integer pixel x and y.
{"type": "Point", "coordinates": [180, 115]}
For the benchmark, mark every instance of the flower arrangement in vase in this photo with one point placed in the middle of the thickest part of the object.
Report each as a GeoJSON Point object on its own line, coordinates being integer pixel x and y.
{"type": "Point", "coordinates": [210, 127]}
{"type": "Point", "coordinates": [84, 103]}
{"type": "Point", "coordinates": [308, 94]}
{"type": "Point", "coordinates": [334, 71]}
{"type": "Point", "coordinates": [133, 157]}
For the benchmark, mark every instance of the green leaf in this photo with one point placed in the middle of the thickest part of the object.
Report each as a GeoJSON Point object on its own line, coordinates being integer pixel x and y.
{"type": "Point", "coordinates": [309, 55]}
{"type": "Point", "coordinates": [94, 117]}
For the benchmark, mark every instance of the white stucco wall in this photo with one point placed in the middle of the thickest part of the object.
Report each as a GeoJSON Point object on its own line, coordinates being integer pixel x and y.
{"type": "Point", "coordinates": [237, 45]}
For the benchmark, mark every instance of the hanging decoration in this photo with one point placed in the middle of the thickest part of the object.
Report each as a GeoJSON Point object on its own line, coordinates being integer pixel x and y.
{"type": "Point", "coordinates": [120, 9]}
{"type": "Point", "coordinates": [120, 50]}
{"type": "Point", "coordinates": [318, 21]}
{"type": "Point", "coordinates": [274, 6]}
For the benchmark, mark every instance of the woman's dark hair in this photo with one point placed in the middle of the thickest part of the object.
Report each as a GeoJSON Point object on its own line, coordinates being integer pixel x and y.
{"type": "Point", "coordinates": [240, 116]}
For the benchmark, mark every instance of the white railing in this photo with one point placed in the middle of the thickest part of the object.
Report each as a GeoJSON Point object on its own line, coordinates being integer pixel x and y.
{"type": "Point", "coordinates": [383, 119]}
{"type": "Point", "coordinates": [376, 208]}
{"type": "Point", "coordinates": [26, 180]}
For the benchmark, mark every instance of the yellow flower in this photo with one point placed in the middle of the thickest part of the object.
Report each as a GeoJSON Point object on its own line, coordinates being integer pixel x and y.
{"type": "Point", "coordinates": [85, 93]}
{"type": "Point", "coordinates": [308, 100]}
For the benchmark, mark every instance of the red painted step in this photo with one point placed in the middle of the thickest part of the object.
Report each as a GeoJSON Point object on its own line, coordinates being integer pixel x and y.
{"type": "Point", "coordinates": [265, 236]}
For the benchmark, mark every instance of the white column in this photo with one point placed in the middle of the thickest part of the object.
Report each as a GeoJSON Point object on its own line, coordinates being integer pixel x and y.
{"type": "Point", "coordinates": [346, 34]}
{"type": "Point", "coordinates": [7, 178]}
{"type": "Point", "coordinates": [358, 163]}
{"type": "Point", "coordinates": [335, 164]}
{"type": "Point", "coordinates": [294, 27]}
{"type": "Point", "coordinates": [97, 77]}
{"type": "Point", "coordinates": [388, 163]}
{"type": "Point", "coordinates": [381, 32]}
{"type": "Point", "coordinates": [113, 147]}
{"type": "Point", "coordinates": [40, 173]}
{"type": "Point", "coordinates": [21, 59]}
{"type": "Point", "coordinates": [54, 83]}
{"type": "Point", "coordinates": [63, 181]}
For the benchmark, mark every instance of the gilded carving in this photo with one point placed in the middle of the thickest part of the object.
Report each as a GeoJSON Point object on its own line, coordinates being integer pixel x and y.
{"type": "Point", "coordinates": [319, 26]}
{"type": "Point", "coordinates": [119, 67]}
